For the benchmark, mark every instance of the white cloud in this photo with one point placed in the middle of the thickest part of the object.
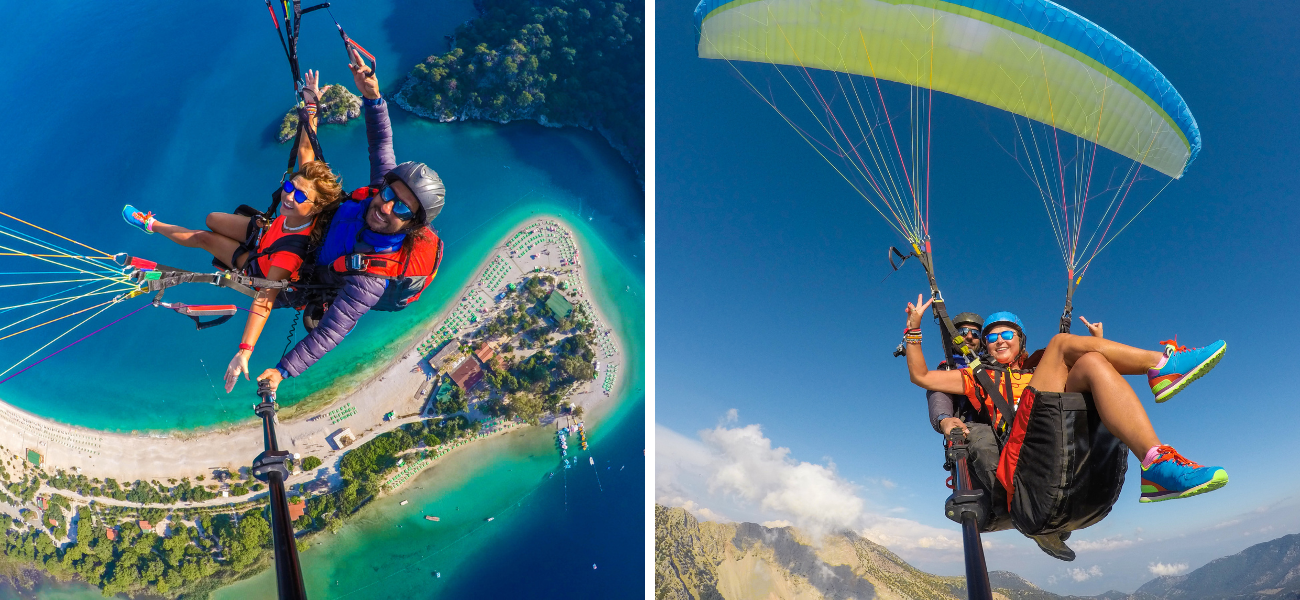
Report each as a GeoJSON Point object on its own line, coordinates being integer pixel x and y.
{"type": "Point", "coordinates": [887, 484]}
{"type": "Point", "coordinates": [1162, 569]}
{"type": "Point", "coordinates": [1084, 575]}
{"type": "Point", "coordinates": [738, 470]}
{"type": "Point", "coordinates": [1114, 542]}
{"type": "Point", "coordinates": [749, 467]}
{"type": "Point", "coordinates": [775, 524]}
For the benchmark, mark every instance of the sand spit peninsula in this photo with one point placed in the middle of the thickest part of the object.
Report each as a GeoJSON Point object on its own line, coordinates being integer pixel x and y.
{"type": "Point", "coordinates": [402, 392]}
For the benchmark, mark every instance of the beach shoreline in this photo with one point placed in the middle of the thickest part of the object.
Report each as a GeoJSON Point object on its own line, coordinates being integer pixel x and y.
{"type": "Point", "coordinates": [392, 386]}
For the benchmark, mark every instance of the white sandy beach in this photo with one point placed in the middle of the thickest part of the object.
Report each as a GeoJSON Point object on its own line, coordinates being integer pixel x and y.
{"type": "Point", "coordinates": [124, 457]}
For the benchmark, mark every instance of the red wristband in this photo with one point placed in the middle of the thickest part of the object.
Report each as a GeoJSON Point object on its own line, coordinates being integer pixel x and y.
{"type": "Point", "coordinates": [243, 346]}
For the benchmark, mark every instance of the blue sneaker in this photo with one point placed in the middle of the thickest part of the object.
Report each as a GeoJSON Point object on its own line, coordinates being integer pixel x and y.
{"type": "Point", "coordinates": [139, 220]}
{"type": "Point", "coordinates": [1172, 476]}
{"type": "Point", "coordinates": [1183, 366]}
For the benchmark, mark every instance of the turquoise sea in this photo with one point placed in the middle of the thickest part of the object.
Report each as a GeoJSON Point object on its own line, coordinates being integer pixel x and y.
{"type": "Point", "coordinates": [172, 107]}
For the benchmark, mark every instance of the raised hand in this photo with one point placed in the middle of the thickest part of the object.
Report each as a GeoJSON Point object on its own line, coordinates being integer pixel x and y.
{"type": "Point", "coordinates": [1093, 328]}
{"type": "Point", "coordinates": [311, 87]}
{"type": "Point", "coordinates": [916, 311]}
{"type": "Point", "coordinates": [363, 76]}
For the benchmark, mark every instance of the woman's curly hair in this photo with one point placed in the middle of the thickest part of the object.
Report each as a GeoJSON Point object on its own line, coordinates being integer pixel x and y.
{"type": "Point", "coordinates": [329, 194]}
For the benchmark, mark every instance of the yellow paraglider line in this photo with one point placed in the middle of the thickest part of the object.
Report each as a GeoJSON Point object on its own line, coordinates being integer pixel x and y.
{"type": "Point", "coordinates": [10, 285]}
{"type": "Point", "coordinates": [1057, 137]}
{"type": "Point", "coordinates": [69, 301]}
{"type": "Point", "coordinates": [827, 107]}
{"type": "Point", "coordinates": [104, 255]}
{"type": "Point", "coordinates": [106, 306]}
{"type": "Point", "coordinates": [1107, 242]}
{"type": "Point", "coordinates": [54, 320]}
{"type": "Point", "coordinates": [897, 220]}
{"type": "Point", "coordinates": [35, 302]}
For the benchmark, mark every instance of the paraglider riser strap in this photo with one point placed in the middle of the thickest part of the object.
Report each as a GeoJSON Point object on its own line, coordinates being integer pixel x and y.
{"type": "Point", "coordinates": [235, 281]}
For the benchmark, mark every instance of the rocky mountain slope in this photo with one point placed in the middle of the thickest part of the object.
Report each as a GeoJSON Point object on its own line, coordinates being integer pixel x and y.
{"type": "Point", "coordinates": [697, 560]}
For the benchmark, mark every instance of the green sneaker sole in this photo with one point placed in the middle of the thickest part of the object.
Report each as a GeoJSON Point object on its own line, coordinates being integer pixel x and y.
{"type": "Point", "coordinates": [1196, 373]}
{"type": "Point", "coordinates": [1219, 480]}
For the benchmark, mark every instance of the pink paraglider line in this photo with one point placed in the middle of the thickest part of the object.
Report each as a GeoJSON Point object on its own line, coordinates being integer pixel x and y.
{"type": "Point", "coordinates": [73, 343]}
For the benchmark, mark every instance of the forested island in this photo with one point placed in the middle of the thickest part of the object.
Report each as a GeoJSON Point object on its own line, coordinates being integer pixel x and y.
{"type": "Point", "coordinates": [560, 62]}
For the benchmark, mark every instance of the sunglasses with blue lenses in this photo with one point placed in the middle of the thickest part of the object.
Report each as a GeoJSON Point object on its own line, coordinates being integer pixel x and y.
{"type": "Point", "coordinates": [1007, 335]}
{"type": "Point", "coordinates": [400, 209]}
{"type": "Point", "coordinates": [298, 195]}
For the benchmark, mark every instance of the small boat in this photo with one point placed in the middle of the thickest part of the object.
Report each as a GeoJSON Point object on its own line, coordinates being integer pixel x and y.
{"type": "Point", "coordinates": [489, 518]}
{"type": "Point", "coordinates": [593, 566]}
{"type": "Point", "coordinates": [404, 502]}
{"type": "Point", "coordinates": [591, 460]}
{"type": "Point", "coordinates": [431, 518]}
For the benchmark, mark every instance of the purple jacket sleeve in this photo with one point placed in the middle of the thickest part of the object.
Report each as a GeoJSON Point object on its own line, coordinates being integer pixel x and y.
{"type": "Point", "coordinates": [359, 294]}
{"type": "Point", "coordinates": [379, 140]}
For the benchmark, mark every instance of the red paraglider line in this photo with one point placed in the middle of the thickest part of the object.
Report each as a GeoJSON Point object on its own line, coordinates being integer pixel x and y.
{"type": "Point", "coordinates": [1059, 165]}
{"type": "Point", "coordinates": [839, 126]}
{"type": "Point", "coordinates": [73, 343]}
{"type": "Point", "coordinates": [1112, 217]}
{"type": "Point", "coordinates": [861, 161]}
{"type": "Point", "coordinates": [891, 131]}
{"type": "Point", "coordinates": [1088, 185]}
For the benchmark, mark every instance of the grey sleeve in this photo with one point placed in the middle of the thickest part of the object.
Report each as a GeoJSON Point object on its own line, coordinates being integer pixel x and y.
{"type": "Point", "coordinates": [940, 404]}
{"type": "Point", "coordinates": [359, 294]}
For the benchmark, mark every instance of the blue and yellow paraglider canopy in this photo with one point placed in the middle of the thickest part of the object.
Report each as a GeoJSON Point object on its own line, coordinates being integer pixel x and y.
{"type": "Point", "coordinates": [1031, 57]}
{"type": "Point", "coordinates": [1069, 86]}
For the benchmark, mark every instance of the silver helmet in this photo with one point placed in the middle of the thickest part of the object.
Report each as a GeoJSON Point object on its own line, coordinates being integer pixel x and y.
{"type": "Point", "coordinates": [425, 184]}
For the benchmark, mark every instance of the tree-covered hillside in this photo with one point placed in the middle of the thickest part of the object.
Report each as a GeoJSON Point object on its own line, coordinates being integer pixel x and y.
{"type": "Point", "coordinates": [570, 62]}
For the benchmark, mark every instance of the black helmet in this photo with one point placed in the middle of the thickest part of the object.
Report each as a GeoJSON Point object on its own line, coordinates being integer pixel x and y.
{"type": "Point", "coordinates": [968, 317]}
{"type": "Point", "coordinates": [424, 183]}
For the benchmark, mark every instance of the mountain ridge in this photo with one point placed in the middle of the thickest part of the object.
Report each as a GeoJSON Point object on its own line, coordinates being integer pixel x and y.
{"type": "Point", "coordinates": [701, 560]}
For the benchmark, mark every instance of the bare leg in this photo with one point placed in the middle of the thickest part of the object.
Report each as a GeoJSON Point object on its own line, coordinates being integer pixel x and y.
{"type": "Point", "coordinates": [234, 227]}
{"type": "Point", "coordinates": [1065, 350]}
{"type": "Point", "coordinates": [1117, 404]}
{"type": "Point", "coordinates": [216, 244]}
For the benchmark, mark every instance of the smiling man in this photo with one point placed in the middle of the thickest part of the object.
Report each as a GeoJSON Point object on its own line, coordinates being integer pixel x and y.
{"type": "Point", "coordinates": [379, 252]}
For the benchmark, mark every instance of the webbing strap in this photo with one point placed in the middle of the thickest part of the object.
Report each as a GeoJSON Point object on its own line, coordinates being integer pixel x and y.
{"type": "Point", "coordinates": [999, 401]}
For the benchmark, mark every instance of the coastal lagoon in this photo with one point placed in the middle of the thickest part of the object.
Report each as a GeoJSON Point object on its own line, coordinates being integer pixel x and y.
{"type": "Point", "coordinates": [173, 108]}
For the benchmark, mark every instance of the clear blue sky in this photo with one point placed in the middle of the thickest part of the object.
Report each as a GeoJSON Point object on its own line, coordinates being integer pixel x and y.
{"type": "Point", "coordinates": [770, 297]}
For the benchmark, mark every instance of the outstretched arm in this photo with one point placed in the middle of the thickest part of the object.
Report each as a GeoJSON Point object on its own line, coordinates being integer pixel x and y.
{"type": "Point", "coordinates": [379, 131]}
{"type": "Point", "coordinates": [360, 293]}
{"type": "Point", "coordinates": [257, 316]}
{"type": "Point", "coordinates": [939, 381]}
{"type": "Point", "coordinates": [311, 97]}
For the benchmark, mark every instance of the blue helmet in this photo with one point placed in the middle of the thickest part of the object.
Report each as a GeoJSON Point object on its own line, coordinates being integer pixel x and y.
{"type": "Point", "coordinates": [1003, 317]}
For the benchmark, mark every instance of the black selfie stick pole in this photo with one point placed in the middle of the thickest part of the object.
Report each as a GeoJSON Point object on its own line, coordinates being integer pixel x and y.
{"type": "Point", "coordinates": [271, 466]}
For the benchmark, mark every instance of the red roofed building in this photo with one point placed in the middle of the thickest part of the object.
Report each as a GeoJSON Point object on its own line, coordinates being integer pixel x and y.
{"type": "Point", "coordinates": [112, 533]}
{"type": "Point", "coordinates": [467, 375]}
{"type": "Point", "coordinates": [485, 353]}
{"type": "Point", "coordinates": [145, 527]}
{"type": "Point", "coordinates": [297, 508]}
